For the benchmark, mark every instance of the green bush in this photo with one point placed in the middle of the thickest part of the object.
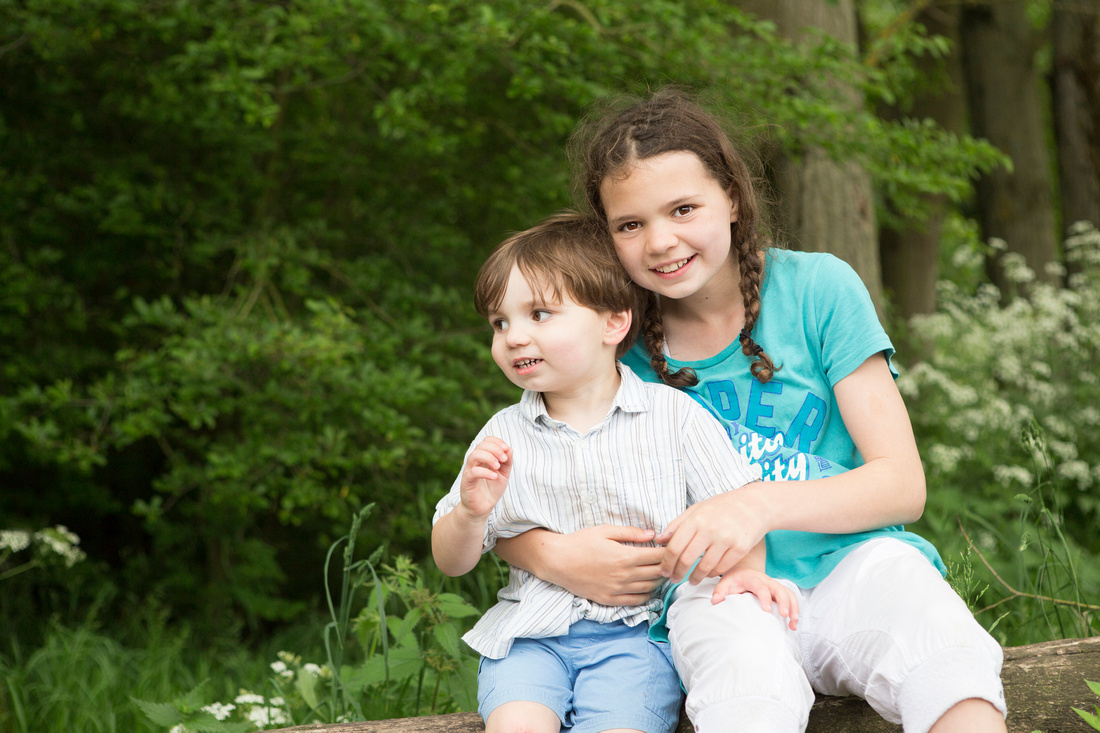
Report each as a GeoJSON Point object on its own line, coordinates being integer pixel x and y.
{"type": "Point", "coordinates": [1005, 411]}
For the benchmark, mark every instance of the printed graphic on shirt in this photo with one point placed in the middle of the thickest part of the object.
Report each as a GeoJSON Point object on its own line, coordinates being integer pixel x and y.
{"type": "Point", "coordinates": [769, 451]}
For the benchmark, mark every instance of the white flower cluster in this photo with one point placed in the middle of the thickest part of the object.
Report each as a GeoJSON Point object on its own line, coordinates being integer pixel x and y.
{"type": "Point", "coordinates": [262, 711]}
{"type": "Point", "coordinates": [60, 541]}
{"type": "Point", "coordinates": [57, 540]}
{"type": "Point", "coordinates": [14, 539]}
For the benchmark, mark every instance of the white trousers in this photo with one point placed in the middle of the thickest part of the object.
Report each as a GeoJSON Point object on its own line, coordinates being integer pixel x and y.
{"type": "Point", "coordinates": [884, 625]}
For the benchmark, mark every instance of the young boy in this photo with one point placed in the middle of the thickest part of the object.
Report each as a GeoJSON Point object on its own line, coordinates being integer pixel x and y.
{"type": "Point", "coordinates": [589, 443]}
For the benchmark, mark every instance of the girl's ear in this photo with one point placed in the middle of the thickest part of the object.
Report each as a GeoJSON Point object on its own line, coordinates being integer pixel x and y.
{"type": "Point", "coordinates": [616, 327]}
{"type": "Point", "coordinates": [735, 208]}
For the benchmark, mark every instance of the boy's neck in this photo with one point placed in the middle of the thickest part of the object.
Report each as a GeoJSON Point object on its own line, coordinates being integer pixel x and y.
{"type": "Point", "coordinates": [584, 405]}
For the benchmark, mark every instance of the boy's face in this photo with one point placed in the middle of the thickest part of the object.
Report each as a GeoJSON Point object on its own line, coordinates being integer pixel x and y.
{"type": "Point", "coordinates": [551, 347]}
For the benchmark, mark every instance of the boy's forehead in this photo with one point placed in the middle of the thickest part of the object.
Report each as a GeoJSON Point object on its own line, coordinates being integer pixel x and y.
{"type": "Point", "coordinates": [543, 288]}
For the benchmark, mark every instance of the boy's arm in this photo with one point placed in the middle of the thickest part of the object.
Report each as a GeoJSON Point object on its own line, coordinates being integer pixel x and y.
{"type": "Point", "coordinates": [458, 536]}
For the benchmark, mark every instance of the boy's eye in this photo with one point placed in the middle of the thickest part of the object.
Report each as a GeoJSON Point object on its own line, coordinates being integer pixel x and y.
{"type": "Point", "coordinates": [540, 316]}
{"type": "Point", "coordinates": [684, 210]}
{"type": "Point", "coordinates": [499, 325]}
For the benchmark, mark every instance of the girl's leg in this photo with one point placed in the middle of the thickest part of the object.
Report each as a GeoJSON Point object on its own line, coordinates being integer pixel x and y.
{"type": "Point", "coordinates": [522, 717]}
{"type": "Point", "coordinates": [887, 627]}
{"type": "Point", "coordinates": [970, 715]}
{"type": "Point", "coordinates": [742, 667]}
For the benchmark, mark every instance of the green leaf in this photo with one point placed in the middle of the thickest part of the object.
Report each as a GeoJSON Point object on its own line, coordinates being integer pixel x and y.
{"type": "Point", "coordinates": [1093, 719]}
{"type": "Point", "coordinates": [455, 607]}
{"type": "Point", "coordinates": [446, 635]}
{"type": "Point", "coordinates": [160, 713]}
{"type": "Point", "coordinates": [306, 684]}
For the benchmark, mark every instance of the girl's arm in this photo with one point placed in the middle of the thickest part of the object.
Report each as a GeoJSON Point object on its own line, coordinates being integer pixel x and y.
{"type": "Point", "coordinates": [888, 489]}
{"type": "Point", "coordinates": [591, 563]}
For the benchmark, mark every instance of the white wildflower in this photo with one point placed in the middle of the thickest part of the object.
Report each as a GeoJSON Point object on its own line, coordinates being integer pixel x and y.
{"type": "Point", "coordinates": [1077, 472]}
{"type": "Point", "coordinates": [280, 669]}
{"type": "Point", "coordinates": [313, 669]}
{"type": "Point", "coordinates": [265, 716]}
{"type": "Point", "coordinates": [249, 698]}
{"type": "Point", "coordinates": [220, 711]}
{"type": "Point", "coordinates": [61, 541]}
{"type": "Point", "coordinates": [14, 539]}
{"type": "Point", "coordinates": [178, 729]}
{"type": "Point", "coordinates": [1009, 475]}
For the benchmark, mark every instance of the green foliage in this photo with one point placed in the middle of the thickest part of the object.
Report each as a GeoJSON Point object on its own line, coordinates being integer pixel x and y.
{"type": "Point", "coordinates": [408, 634]}
{"type": "Point", "coordinates": [1004, 411]}
{"type": "Point", "coordinates": [1093, 719]}
{"type": "Point", "coordinates": [409, 664]}
{"type": "Point", "coordinates": [239, 239]}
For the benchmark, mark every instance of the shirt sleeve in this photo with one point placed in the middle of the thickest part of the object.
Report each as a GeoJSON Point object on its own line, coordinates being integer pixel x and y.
{"type": "Point", "coordinates": [712, 464]}
{"type": "Point", "coordinates": [847, 323]}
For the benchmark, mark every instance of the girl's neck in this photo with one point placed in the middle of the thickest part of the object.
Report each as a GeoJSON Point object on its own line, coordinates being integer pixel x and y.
{"type": "Point", "coordinates": [703, 325]}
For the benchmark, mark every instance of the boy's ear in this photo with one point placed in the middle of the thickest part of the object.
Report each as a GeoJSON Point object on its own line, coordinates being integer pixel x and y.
{"type": "Point", "coordinates": [617, 326]}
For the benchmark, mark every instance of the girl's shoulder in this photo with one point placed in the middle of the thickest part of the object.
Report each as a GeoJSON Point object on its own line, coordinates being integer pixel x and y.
{"type": "Point", "coordinates": [794, 263]}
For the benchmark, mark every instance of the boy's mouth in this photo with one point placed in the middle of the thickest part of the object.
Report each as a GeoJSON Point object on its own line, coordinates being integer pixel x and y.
{"type": "Point", "coordinates": [672, 266]}
{"type": "Point", "coordinates": [523, 364]}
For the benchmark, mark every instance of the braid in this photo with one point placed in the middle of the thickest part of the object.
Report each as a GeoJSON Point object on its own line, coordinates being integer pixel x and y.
{"type": "Point", "coordinates": [752, 276]}
{"type": "Point", "coordinates": [653, 333]}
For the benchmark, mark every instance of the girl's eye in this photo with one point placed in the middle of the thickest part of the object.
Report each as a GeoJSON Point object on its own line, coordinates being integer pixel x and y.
{"type": "Point", "coordinates": [499, 325]}
{"type": "Point", "coordinates": [630, 226]}
{"type": "Point", "coordinates": [540, 316]}
{"type": "Point", "coordinates": [684, 210]}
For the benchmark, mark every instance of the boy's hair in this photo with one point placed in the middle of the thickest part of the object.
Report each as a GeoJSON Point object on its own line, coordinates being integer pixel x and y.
{"type": "Point", "coordinates": [630, 129]}
{"type": "Point", "coordinates": [566, 254]}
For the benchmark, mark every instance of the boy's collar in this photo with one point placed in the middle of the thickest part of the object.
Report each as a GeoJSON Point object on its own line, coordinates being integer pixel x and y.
{"type": "Point", "coordinates": [630, 397]}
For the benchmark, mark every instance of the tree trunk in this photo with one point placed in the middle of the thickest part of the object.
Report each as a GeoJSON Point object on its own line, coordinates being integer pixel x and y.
{"type": "Point", "coordinates": [825, 205]}
{"type": "Point", "coordinates": [1043, 683]}
{"type": "Point", "coordinates": [911, 256]}
{"type": "Point", "coordinates": [1006, 108]}
{"type": "Point", "coordinates": [1075, 87]}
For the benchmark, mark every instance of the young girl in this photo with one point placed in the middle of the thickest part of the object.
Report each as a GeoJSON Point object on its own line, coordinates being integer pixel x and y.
{"type": "Point", "coordinates": [786, 344]}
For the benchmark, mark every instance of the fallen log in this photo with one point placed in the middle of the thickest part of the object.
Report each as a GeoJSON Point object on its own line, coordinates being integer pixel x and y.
{"type": "Point", "coordinates": [1043, 682]}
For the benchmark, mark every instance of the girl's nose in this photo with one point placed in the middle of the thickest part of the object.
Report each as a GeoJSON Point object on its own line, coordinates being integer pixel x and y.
{"type": "Point", "coordinates": [661, 239]}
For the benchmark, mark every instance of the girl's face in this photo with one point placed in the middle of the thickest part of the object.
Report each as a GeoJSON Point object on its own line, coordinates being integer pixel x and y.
{"type": "Point", "coordinates": [670, 220]}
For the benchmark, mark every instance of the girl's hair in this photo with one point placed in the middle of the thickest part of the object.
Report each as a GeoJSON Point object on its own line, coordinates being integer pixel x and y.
{"type": "Point", "coordinates": [566, 254]}
{"type": "Point", "coordinates": [672, 121]}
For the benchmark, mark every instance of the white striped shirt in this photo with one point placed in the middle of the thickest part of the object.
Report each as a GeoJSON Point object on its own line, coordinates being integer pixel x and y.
{"type": "Point", "coordinates": [656, 452]}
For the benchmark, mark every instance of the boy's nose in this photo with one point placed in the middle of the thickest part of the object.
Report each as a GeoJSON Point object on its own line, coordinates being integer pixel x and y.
{"type": "Point", "coordinates": [515, 336]}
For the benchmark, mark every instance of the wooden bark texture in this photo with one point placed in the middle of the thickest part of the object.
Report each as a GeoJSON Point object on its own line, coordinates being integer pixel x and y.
{"type": "Point", "coordinates": [1043, 682]}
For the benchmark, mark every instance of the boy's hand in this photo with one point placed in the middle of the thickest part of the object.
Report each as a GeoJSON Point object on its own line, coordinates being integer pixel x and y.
{"type": "Point", "coordinates": [485, 476]}
{"type": "Point", "coordinates": [767, 590]}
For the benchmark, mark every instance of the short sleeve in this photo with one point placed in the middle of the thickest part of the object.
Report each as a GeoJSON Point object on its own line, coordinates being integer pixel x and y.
{"type": "Point", "coordinates": [847, 324]}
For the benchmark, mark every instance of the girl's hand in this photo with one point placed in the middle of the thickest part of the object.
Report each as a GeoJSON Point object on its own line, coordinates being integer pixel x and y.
{"type": "Point", "coordinates": [720, 530]}
{"type": "Point", "coordinates": [485, 476]}
{"type": "Point", "coordinates": [592, 563]}
{"type": "Point", "coordinates": [767, 590]}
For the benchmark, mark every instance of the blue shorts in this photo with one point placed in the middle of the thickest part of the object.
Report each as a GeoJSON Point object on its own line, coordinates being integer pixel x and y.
{"type": "Point", "coordinates": [596, 677]}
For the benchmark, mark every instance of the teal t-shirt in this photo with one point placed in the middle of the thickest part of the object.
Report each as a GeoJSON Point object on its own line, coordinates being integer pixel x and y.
{"type": "Point", "coordinates": [818, 324]}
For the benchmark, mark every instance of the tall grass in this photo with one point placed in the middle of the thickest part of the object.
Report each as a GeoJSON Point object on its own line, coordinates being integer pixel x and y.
{"type": "Point", "coordinates": [86, 677]}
